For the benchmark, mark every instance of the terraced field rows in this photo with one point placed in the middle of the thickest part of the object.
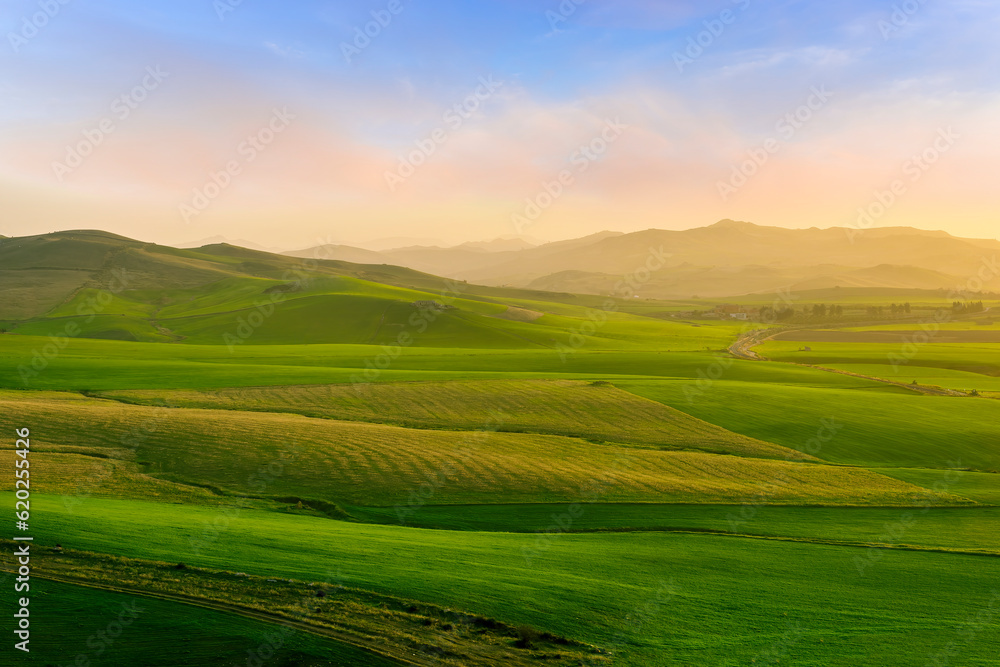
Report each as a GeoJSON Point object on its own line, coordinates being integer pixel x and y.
{"type": "Point", "coordinates": [557, 407]}
{"type": "Point", "coordinates": [378, 465]}
{"type": "Point", "coordinates": [886, 427]}
{"type": "Point", "coordinates": [77, 477]}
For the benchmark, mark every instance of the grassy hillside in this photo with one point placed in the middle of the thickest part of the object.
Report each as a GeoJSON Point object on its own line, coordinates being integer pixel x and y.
{"type": "Point", "coordinates": [948, 528]}
{"type": "Point", "coordinates": [875, 428]}
{"type": "Point", "coordinates": [980, 358]}
{"type": "Point", "coordinates": [162, 634]}
{"type": "Point", "coordinates": [649, 598]}
{"type": "Point", "coordinates": [107, 287]}
{"type": "Point", "coordinates": [352, 463]}
{"type": "Point", "coordinates": [600, 469]}
{"type": "Point", "coordinates": [595, 412]}
{"type": "Point", "coordinates": [27, 363]}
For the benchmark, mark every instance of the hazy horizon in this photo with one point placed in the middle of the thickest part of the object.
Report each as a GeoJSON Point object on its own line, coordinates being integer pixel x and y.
{"type": "Point", "coordinates": [139, 120]}
{"type": "Point", "coordinates": [393, 243]}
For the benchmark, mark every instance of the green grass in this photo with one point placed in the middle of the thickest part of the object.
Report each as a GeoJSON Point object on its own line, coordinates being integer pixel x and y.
{"type": "Point", "coordinates": [107, 327]}
{"type": "Point", "coordinates": [985, 322]}
{"type": "Point", "coordinates": [895, 428]}
{"type": "Point", "coordinates": [574, 456]}
{"type": "Point", "coordinates": [939, 377]}
{"type": "Point", "coordinates": [936, 527]}
{"type": "Point", "coordinates": [91, 299]}
{"type": "Point", "coordinates": [209, 296]}
{"type": "Point", "coordinates": [30, 293]}
{"type": "Point", "coordinates": [556, 407]}
{"type": "Point", "coordinates": [377, 465]}
{"type": "Point", "coordinates": [36, 363]}
{"type": "Point", "coordinates": [370, 313]}
{"type": "Point", "coordinates": [79, 475]}
{"type": "Point", "coordinates": [981, 487]}
{"type": "Point", "coordinates": [982, 358]}
{"type": "Point", "coordinates": [654, 599]}
{"type": "Point", "coordinates": [160, 634]}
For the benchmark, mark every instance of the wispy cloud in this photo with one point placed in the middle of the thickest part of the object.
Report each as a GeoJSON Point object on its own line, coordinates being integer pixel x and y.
{"type": "Point", "coordinates": [608, 59]}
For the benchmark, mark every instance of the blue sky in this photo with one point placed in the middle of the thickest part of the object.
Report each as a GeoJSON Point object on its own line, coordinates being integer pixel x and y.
{"type": "Point", "coordinates": [897, 74]}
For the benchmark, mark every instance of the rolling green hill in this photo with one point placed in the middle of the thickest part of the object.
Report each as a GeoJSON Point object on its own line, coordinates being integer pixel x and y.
{"type": "Point", "coordinates": [649, 598]}
{"type": "Point", "coordinates": [96, 285]}
{"type": "Point", "coordinates": [596, 412]}
{"type": "Point", "coordinates": [282, 455]}
{"type": "Point", "coordinates": [503, 475]}
{"type": "Point", "coordinates": [875, 428]}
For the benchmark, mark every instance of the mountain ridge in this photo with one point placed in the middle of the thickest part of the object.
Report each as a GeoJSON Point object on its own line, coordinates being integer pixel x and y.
{"type": "Point", "coordinates": [727, 258]}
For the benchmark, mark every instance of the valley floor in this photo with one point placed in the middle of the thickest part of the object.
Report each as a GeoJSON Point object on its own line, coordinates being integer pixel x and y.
{"type": "Point", "coordinates": [623, 503]}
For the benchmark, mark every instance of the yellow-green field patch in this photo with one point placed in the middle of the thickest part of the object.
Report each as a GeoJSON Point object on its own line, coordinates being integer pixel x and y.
{"type": "Point", "coordinates": [597, 412]}
{"type": "Point", "coordinates": [378, 465]}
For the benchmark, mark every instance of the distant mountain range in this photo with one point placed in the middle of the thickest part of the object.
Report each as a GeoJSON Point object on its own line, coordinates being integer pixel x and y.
{"type": "Point", "coordinates": [728, 258]}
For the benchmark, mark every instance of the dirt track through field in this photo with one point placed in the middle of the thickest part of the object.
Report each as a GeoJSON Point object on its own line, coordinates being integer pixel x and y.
{"type": "Point", "coordinates": [381, 649]}
{"type": "Point", "coordinates": [743, 349]}
{"type": "Point", "coordinates": [836, 336]}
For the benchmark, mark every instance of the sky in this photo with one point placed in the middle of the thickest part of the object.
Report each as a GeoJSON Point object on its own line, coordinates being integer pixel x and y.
{"type": "Point", "coordinates": [297, 123]}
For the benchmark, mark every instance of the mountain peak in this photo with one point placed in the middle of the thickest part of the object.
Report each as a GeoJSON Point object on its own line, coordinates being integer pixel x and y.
{"type": "Point", "coordinates": [732, 224]}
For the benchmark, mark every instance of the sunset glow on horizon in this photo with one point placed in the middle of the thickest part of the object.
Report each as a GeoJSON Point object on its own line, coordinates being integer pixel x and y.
{"type": "Point", "coordinates": [347, 122]}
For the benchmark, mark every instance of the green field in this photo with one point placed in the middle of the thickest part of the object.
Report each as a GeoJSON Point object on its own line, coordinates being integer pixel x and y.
{"type": "Point", "coordinates": [31, 362]}
{"type": "Point", "coordinates": [596, 412]}
{"type": "Point", "coordinates": [657, 599]}
{"type": "Point", "coordinates": [952, 528]}
{"type": "Point", "coordinates": [980, 358]}
{"type": "Point", "coordinates": [377, 465]}
{"type": "Point", "coordinates": [879, 427]}
{"type": "Point", "coordinates": [495, 475]}
{"type": "Point", "coordinates": [77, 621]}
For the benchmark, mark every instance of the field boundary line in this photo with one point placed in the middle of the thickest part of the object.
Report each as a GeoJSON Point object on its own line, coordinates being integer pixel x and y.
{"type": "Point", "coordinates": [742, 348]}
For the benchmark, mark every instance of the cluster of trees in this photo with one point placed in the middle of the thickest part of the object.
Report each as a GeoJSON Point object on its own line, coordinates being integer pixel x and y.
{"type": "Point", "coordinates": [970, 307]}
{"type": "Point", "coordinates": [895, 309]}
{"type": "Point", "coordinates": [819, 310]}
{"type": "Point", "coordinates": [822, 310]}
{"type": "Point", "coordinates": [769, 314]}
